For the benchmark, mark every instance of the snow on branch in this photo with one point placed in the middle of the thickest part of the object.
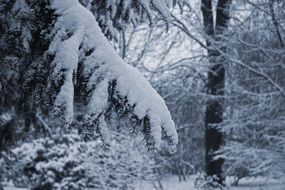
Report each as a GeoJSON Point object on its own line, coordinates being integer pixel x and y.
{"type": "Point", "coordinates": [79, 40]}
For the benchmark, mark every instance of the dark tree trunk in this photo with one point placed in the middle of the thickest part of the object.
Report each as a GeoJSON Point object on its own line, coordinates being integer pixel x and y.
{"type": "Point", "coordinates": [216, 82]}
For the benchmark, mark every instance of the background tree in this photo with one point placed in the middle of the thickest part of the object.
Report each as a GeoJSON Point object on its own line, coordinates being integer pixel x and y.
{"type": "Point", "coordinates": [254, 93]}
{"type": "Point", "coordinates": [216, 80]}
{"type": "Point", "coordinates": [182, 79]}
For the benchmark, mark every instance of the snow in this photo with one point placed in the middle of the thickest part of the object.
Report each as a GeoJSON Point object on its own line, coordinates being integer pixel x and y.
{"type": "Point", "coordinates": [169, 183]}
{"type": "Point", "coordinates": [14, 188]}
{"type": "Point", "coordinates": [172, 183]}
{"type": "Point", "coordinates": [86, 35]}
{"type": "Point", "coordinates": [145, 4]}
{"type": "Point", "coordinates": [162, 8]}
{"type": "Point", "coordinates": [259, 183]}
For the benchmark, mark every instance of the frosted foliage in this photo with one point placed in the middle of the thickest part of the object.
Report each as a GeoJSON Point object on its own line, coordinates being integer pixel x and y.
{"type": "Point", "coordinates": [109, 77]}
{"type": "Point", "coordinates": [65, 163]}
{"type": "Point", "coordinates": [114, 15]}
{"type": "Point", "coordinates": [21, 6]}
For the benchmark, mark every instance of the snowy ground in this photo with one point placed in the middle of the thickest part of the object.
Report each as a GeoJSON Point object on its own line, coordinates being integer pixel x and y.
{"type": "Point", "coordinates": [172, 183]}
{"type": "Point", "coordinates": [13, 188]}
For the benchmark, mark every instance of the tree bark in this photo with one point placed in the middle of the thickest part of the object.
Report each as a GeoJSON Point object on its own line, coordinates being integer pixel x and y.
{"type": "Point", "coordinates": [216, 82]}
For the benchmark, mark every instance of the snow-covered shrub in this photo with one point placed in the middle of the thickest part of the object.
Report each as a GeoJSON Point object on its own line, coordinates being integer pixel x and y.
{"type": "Point", "coordinates": [204, 182]}
{"type": "Point", "coordinates": [67, 163]}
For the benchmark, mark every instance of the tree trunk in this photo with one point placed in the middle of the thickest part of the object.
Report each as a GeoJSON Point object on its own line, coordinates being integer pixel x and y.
{"type": "Point", "coordinates": [216, 82]}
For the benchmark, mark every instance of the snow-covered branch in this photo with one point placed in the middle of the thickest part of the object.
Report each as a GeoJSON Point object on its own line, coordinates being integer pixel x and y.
{"type": "Point", "coordinates": [79, 42]}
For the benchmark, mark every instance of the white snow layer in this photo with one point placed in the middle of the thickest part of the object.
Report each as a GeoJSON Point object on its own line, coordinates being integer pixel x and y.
{"type": "Point", "coordinates": [78, 25]}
